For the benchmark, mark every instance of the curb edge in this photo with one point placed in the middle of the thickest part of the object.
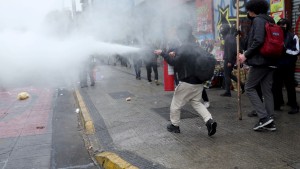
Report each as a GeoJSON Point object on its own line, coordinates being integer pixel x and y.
{"type": "Point", "coordinates": [107, 160]}
{"type": "Point", "coordinates": [84, 114]}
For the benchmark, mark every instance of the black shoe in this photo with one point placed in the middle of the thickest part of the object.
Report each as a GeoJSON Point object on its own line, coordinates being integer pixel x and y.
{"type": "Point", "coordinates": [263, 122]}
{"type": "Point", "coordinates": [270, 127]}
{"type": "Point", "coordinates": [172, 128]}
{"type": "Point", "coordinates": [226, 95]}
{"type": "Point", "coordinates": [93, 84]}
{"type": "Point", "coordinates": [294, 110]}
{"type": "Point", "coordinates": [252, 114]}
{"type": "Point", "coordinates": [243, 88]}
{"type": "Point", "coordinates": [277, 108]}
{"type": "Point", "coordinates": [211, 127]}
{"type": "Point", "coordinates": [83, 86]}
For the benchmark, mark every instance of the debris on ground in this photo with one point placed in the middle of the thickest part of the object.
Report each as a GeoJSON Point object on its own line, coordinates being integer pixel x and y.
{"type": "Point", "coordinates": [23, 96]}
{"type": "Point", "coordinates": [128, 99]}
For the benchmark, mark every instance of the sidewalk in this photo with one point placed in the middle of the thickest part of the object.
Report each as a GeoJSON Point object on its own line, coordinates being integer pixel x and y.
{"type": "Point", "coordinates": [41, 132]}
{"type": "Point", "coordinates": [26, 128]}
{"type": "Point", "coordinates": [136, 130]}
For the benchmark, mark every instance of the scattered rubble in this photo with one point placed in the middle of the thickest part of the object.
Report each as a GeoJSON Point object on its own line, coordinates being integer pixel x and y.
{"type": "Point", "coordinates": [23, 96]}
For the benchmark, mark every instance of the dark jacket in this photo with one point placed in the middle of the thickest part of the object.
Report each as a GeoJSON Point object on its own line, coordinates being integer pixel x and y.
{"type": "Point", "coordinates": [291, 45]}
{"type": "Point", "coordinates": [255, 41]}
{"type": "Point", "coordinates": [183, 62]}
{"type": "Point", "coordinates": [230, 49]}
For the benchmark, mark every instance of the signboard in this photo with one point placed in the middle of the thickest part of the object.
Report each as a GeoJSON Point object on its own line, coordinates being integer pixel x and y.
{"type": "Point", "coordinates": [277, 9]}
{"type": "Point", "coordinates": [204, 16]}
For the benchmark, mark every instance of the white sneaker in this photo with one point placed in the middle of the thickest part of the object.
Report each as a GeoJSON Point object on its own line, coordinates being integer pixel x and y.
{"type": "Point", "coordinates": [206, 104]}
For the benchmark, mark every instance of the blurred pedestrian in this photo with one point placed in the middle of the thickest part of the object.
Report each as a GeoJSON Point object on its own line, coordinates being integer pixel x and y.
{"type": "Point", "coordinates": [190, 87]}
{"type": "Point", "coordinates": [150, 61]}
{"type": "Point", "coordinates": [229, 58]}
{"type": "Point", "coordinates": [137, 60]}
{"type": "Point", "coordinates": [137, 64]}
{"type": "Point", "coordinates": [88, 69]}
{"type": "Point", "coordinates": [285, 72]}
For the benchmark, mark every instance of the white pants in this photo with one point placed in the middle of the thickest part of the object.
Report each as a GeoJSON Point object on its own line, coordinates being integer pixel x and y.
{"type": "Point", "coordinates": [184, 93]}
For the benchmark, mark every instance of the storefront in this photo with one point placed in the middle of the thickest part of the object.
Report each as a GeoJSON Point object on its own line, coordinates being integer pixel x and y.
{"type": "Point", "coordinates": [296, 25]}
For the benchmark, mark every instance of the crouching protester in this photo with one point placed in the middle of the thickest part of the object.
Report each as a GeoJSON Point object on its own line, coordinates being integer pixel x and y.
{"type": "Point", "coordinates": [190, 87]}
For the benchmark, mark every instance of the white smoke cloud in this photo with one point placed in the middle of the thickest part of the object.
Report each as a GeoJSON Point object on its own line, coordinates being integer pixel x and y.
{"type": "Point", "coordinates": [39, 41]}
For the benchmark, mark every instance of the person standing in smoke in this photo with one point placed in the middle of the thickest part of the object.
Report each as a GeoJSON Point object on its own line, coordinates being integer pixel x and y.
{"type": "Point", "coordinates": [190, 87]}
{"type": "Point", "coordinates": [87, 69]}
{"type": "Point", "coordinates": [229, 58]}
{"type": "Point", "coordinates": [150, 60]}
{"type": "Point", "coordinates": [285, 72]}
{"type": "Point", "coordinates": [137, 64]}
{"type": "Point", "coordinates": [137, 61]}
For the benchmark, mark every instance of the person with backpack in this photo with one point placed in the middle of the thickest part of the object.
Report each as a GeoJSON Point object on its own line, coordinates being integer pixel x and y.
{"type": "Point", "coordinates": [190, 86]}
{"type": "Point", "coordinates": [261, 67]}
{"type": "Point", "coordinates": [174, 43]}
{"type": "Point", "coordinates": [285, 72]}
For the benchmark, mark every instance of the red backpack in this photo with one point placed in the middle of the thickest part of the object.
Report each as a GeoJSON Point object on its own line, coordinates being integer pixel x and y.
{"type": "Point", "coordinates": [274, 41]}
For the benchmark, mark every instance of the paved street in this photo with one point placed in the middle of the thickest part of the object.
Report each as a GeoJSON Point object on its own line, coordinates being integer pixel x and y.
{"type": "Point", "coordinates": [136, 129]}
{"type": "Point", "coordinates": [43, 132]}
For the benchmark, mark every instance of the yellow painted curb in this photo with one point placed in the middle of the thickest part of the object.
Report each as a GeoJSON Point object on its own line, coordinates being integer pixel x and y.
{"type": "Point", "coordinates": [109, 160]}
{"type": "Point", "coordinates": [85, 115]}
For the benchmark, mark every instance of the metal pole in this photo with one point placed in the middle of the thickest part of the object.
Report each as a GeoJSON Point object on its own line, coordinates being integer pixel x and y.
{"type": "Point", "coordinates": [237, 60]}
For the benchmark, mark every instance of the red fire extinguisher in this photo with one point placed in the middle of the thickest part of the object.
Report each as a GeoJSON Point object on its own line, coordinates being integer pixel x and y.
{"type": "Point", "coordinates": [168, 77]}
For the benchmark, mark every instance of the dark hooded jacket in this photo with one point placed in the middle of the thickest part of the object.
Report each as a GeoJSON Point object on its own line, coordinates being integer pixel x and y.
{"type": "Point", "coordinates": [291, 44]}
{"type": "Point", "coordinates": [230, 49]}
{"type": "Point", "coordinates": [183, 62]}
{"type": "Point", "coordinates": [256, 38]}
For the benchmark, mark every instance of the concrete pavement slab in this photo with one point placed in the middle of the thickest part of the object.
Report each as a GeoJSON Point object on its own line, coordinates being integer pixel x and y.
{"type": "Point", "coordinates": [37, 162]}
{"type": "Point", "coordinates": [34, 140]}
{"type": "Point", "coordinates": [31, 151]}
{"type": "Point", "coordinates": [26, 130]}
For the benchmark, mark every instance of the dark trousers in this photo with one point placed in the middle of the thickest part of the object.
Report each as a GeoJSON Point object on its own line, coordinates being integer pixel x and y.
{"type": "Point", "coordinates": [228, 76]}
{"type": "Point", "coordinates": [204, 95]}
{"type": "Point", "coordinates": [87, 72]}
{"type": "Point", "coordinates": [284, 75]}
{"type": "Point", "coordinates": [137, 67]}
{"type": "Point", "coordinates": [149, 67]}
{"type": "Point", "coordinates": [262, 76]}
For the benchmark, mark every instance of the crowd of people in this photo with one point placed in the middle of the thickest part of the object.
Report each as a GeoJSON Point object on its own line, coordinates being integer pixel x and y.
{"type": "Point", "coordinates": [265, 79]}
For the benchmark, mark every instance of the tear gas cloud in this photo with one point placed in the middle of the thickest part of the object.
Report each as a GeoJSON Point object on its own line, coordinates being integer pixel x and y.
{"type": "Point", "coordinates": [41, 42]}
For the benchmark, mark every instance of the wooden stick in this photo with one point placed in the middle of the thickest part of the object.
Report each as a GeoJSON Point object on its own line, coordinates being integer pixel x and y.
{"type": "Point", "coordinates": [238, 61]}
